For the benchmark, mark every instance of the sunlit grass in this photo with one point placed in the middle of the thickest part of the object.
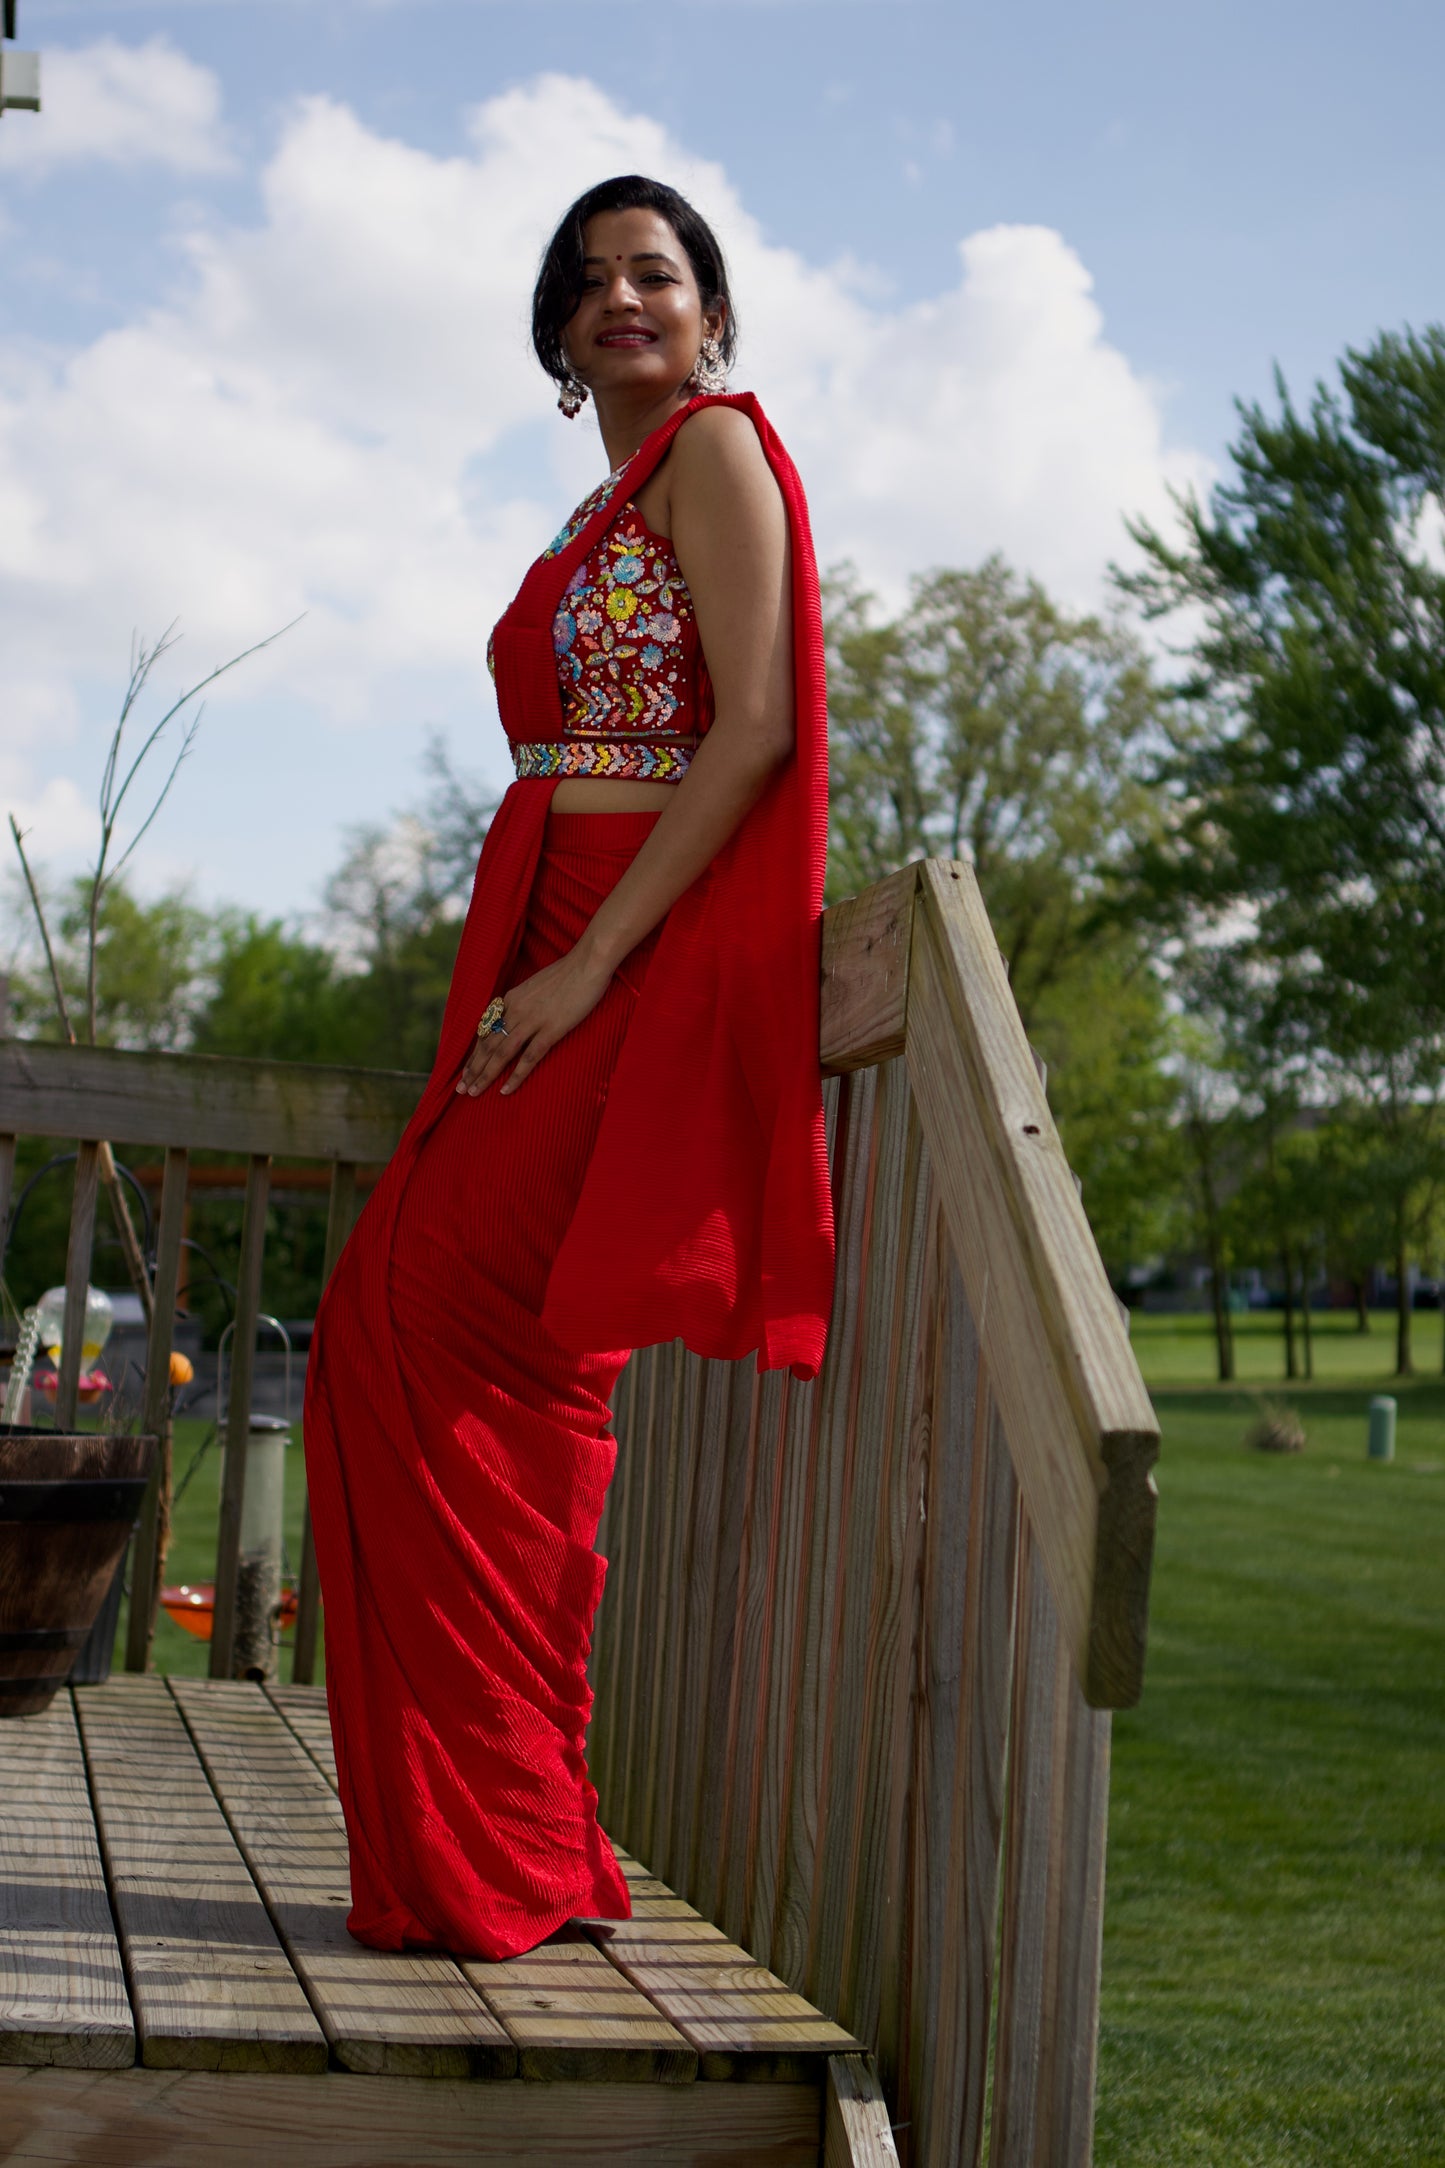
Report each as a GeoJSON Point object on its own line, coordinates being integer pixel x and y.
{"type": "Point", "coordinates": [192, 1554]}
{"type": "Point", "coordinates": [1176, 1350]}
{"type": "Point", "coordinates": [1274, 1958]}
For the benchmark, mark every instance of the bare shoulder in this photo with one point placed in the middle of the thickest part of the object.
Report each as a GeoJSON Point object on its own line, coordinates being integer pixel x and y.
{"type": "Point", "coordinates": [718, 461]}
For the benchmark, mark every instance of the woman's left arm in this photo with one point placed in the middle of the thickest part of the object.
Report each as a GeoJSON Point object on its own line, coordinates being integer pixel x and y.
{"type": "Point", "coordinates": [730, 535]}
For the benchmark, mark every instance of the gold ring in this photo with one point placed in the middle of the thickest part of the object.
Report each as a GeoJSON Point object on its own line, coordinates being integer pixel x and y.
{"type": "Point", "coordinates": [492, 1016]}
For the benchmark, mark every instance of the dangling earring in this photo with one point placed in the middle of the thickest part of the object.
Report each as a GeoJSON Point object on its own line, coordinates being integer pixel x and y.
{"type": "Point", "coordinates": [709, 371]}
{"type": "Point", "coordinates": [572, 398]}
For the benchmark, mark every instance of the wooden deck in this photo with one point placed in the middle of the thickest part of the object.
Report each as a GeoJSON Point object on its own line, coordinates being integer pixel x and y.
{"type": "Point", "coordinates": [178, 1988]}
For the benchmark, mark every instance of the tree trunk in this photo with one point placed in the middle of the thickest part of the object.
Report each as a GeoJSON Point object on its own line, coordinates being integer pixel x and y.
{"type": "Point", "coordinates": [1223, 1322]}
{"type": "Point", "coordinates": [1404, 1367]}
{"type": "Point", "coordinates": [1305, 1318]}
{"type": "Point", "coordinates": [1362, 1302]}
{"type": "Point", "coordinates": [1218, 1256]}
{"type": "Point", "coordinates": [1291, 1367]}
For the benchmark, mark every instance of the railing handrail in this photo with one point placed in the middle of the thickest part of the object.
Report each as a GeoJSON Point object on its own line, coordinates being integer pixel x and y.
{"type": "Point", "coordinates": [204, 1102]}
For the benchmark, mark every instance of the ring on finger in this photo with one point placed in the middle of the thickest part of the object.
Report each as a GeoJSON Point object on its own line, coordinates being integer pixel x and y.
{"type": "Point", "coordinates": [491, 1022]}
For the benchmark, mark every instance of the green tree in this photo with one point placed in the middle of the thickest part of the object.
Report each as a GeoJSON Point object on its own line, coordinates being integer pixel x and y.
{"type": "Point", "coordinates": [985, 722]}
{"type": "Point", "coordinates": [1306, 829]}
{"type": "Point", "coordinates": [272, 993]}
{"type": "Point", "coordinates": [150, 966]}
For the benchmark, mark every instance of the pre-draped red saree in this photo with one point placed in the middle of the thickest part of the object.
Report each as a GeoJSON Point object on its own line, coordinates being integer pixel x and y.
{"type": "Point", "coordinates": [662, 1175]}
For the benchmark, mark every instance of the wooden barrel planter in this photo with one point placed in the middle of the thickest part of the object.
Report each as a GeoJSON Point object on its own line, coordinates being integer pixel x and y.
{"type": "Point", "coordinates": [67, 1507]}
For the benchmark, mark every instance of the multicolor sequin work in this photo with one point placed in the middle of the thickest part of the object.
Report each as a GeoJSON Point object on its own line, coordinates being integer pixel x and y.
{"type": "Point", "coordinates": [627, 762]}
{"type": "Point", "coordinates": [625, 661]}
{"type": "Point", "coordinates": [601, 495]}
{"type": "Point", "coordinates": [634, 689]}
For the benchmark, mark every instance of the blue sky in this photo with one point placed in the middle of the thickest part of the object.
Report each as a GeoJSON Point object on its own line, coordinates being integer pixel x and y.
{"type": "Point", "coordinates": [261, 342]}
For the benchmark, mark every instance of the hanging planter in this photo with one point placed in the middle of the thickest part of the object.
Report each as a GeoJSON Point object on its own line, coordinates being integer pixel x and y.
{"type": "Point", "coordinates": [67, 1507]}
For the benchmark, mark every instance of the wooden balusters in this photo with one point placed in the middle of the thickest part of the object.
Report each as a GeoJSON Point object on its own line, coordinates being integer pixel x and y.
{"type": "Point", "coordinates": [238, 1411]}
{"type": "Point", "coordinates": [77, 1281]}
{"type": "Point", "coordinates": [148, 1558]}
{"type": "Point", "coordinates": [340, 1218]}
{"type": "Point", "coordinates": [1053, 1907]}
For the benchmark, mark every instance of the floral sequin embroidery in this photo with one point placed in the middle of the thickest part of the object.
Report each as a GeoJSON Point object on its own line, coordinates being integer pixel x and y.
{"type": "Point", "coordinates": [621, 661]}
{"type": "Point", "coordinates": [601, 495]}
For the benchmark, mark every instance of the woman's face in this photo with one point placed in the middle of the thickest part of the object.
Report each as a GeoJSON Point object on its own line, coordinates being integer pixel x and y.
{"type": "Point", "coordinates": [640, 322]}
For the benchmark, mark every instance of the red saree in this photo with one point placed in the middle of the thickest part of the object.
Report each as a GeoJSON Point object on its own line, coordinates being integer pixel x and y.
{"type": "Point", "coordinates": [663, 1175]}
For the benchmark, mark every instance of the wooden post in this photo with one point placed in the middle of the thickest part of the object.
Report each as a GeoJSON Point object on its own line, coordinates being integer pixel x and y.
{"type": "Point", "coordinates": [238, 1412]}
{"type": "Point", "coordinates": [155, 1519]}
{"type": "Point", "coordinates": [1050, 1930]}
{"type": "Point", "coordinates": [77, 1281]}
{"type": "Point", "coordinates": [340, 1215]}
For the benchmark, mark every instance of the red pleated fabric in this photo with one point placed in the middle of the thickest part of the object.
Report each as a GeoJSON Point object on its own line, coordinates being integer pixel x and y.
{"type": "Point", "coordinates": [661, 1175]}
{"type": "Point", "coordinates": [457, 1470]}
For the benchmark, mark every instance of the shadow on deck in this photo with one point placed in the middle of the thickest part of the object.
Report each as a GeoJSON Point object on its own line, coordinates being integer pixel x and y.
{"type": "Point", "coordinates": [179, 1987]}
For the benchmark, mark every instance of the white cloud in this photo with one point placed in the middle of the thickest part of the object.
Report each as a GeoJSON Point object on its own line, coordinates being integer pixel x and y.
{"type": "Point", "coordinates": [128, 105]}
{"type": "Point", "coordinates": [337, 411]}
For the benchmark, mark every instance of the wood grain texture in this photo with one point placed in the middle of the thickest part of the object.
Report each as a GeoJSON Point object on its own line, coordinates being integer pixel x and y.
{"type": "Point", "coordinates": [885, 1619]}
{"type": "Point", "coordinates": [62, 1986]}
{"type": "Point", "coordinates": [864, 1001]}
{"type": "Point", "coordinates": [959, 1786]}
{"type": "Point", "coordinates": [573, 2015]}
{"type": "Point", "coordinates": [1053, 1907]}
{"type": "Point", "coordinates": [148, 1556]}
{"type": "Point", "coordinates": [707, 1401]}
{"type": "Point", "coordinates": [751, 1651]}
{"type": "Point", "coordinates": [856, 2130]}
{"type": "Point", "coordinates": [402, 2016]}
{"type": "Point", "coordinates": [670, 1728]}
{"type": "Point", "coordinates": [1079, 1422]}
{"type": "Point", "coordinates": [817, 1566]}
{"type": "Point", "coordinates": [205, 1102]}
{"type": "Point", "coordinates": [340, 1218]}
{"type": "Point", "coordinates": [728, 1429]}
{"type": "Point", "coordinates": [648, 1623]}
{"type": "Point", "coordinates": [744, 2022]}
{"type": "Point", "coordinates": [197, 2119]}
{"type": "Point", "coordinates": [668, 1554]}
{"type": "Point", "coordinates": [210, 1984]}
{"type": "Point", "coordinates": [891, 1182]}
{"type": "Point", "coordinates": [792, 1514]}
{"type": "Point", "coordinates": [303, 1709]}
{"type": "Point", "coordinates": [238, 1414]}
{"type": "Point", "coordinates": [77, 1280]}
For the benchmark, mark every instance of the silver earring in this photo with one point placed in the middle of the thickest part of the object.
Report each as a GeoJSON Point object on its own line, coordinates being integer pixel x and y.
{"type": "Point", "coordinates": [709, 371]}
{"type": "Point", "coordinates": [572, 398]}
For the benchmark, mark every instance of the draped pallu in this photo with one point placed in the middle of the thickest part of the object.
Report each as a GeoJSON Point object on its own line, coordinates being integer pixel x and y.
{"type": "Point", "coordinates": [661, 1175]}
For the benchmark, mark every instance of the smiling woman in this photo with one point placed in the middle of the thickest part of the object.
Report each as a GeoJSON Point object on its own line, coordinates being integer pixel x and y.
{"type": "Point", "coordinates": [641, 954]}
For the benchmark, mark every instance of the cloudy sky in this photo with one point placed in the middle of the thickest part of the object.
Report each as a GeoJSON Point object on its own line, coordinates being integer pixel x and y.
{"type": "Point", "coordinates": [1000, 272]}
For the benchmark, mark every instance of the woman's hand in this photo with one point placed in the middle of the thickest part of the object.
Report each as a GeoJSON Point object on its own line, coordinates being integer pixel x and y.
{"type": "Point", "coordinates": [538, 1013]}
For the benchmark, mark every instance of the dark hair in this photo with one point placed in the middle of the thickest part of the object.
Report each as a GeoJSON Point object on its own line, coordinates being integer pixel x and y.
{"type": "Point", "coordinates": [559, 281]}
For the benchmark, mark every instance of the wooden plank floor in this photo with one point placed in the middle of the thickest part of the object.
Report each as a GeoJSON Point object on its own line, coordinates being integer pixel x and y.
{"type": "Point", "coordinates": [173, 1895]}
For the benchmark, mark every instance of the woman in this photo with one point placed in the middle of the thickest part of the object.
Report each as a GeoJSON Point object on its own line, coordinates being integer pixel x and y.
{"type": "Point", "coordinates": [621, 1142]}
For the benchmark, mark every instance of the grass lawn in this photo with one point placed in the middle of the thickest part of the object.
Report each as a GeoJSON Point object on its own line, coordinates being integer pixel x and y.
{"type": "Point", "coordinates": [192, 1555]}
{"type": "Point", "coordinates": [1274, 1952]}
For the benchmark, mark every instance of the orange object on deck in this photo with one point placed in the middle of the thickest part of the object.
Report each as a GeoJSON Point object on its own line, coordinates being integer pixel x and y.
{"type": "Point", "coordinates": [192, 1604]}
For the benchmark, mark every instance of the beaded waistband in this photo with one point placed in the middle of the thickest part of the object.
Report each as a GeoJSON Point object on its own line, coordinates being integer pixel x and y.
{"type": "Point", "coordinates": [625, 760]}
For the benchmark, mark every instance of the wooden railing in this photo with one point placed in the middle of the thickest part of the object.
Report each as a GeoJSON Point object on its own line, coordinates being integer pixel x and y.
{"type": "Point", "coordinates": [859, 1637]}
{"type": "Point", "coordinates": [184, 1103]}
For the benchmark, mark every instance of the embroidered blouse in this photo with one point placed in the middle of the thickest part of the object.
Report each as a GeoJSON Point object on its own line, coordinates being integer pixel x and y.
{"type": "Point", "coordinates": [635, 692]}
